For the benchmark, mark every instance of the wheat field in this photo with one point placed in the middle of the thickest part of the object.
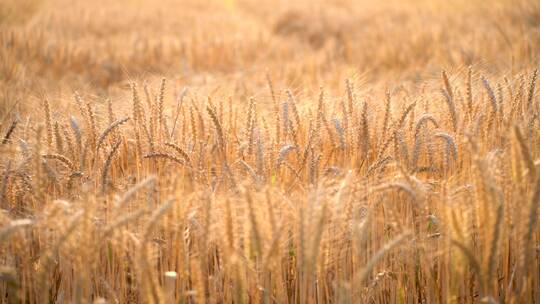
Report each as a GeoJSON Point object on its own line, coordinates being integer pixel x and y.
{"type": "Point", "coordinates": [242, 151]}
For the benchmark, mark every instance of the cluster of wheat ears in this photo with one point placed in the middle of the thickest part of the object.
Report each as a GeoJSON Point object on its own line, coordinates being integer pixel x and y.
{"type": "Point", "coordinates": [429, 196]}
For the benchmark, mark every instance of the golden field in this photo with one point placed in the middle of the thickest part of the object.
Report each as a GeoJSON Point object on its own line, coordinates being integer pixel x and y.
{"type": "Point", "coordinates": [241, 151]}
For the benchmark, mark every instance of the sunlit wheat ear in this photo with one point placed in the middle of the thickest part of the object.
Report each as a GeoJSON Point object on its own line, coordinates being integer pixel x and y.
{"type": "Point", "coordinates": [48, 122]}
{"type": "Point", "coordinates": [92, 124]}
{"type": "Point", "coordinates": [110, 112]}
{"type": "Point", "coordinates": [69, 142]}
{"type": "Point", "coordinates": [161, 103]}
{"type": "Point", "coordinates": [179, 106]}
{"type": "Point", "coordinates": [109, 130]}
{"type": "Point", "coordinates": [452, 109]}
{"type": "Point", "coordinates": [147, 96]}
{"type": "Point", "coordinates": [365, 146]}
{"type": "Point", "coordinates": [107, 165]}
{"type": "Point", "coordinates": [518, 99]}
{"type": "Point", "coordinates": [402, 152]}
{"type": "Point", "coordinates": [135, 113]}
{"type": "Point", "coordinates": [321, 118]}
{"type": "Point", "coordinates": [491, 95]}
{"type": "Point", "coordinates": [418, 142]}
{"type": "Point", "coordinates": [251, 124]}
{"type": "Point", "coordinates": [385, 146]}
{"type": "Point", "coordinates": [62, 159]}
{"type": "Point", "coordinates": [404, 115]}
{"type": "Point", "coordinates": [450, 147]}
{"type": "Point", "coordinates": [350, 96]}
{"type": "Point", "coordinates": [296, 114]}
{"type": "Point", "coordinates": [532, 87]}
{"type": "Point", "coordinates": [286, 121]}
{"type": "Point", "coordinates": [283, 152]}
{"type": "Point", "coordinates": [422, 121]}
{"type": "Point", "coordinates": [259, 156]}
{"type": "Point", "coordinates": [9, 132]}
{"type": "Point", "coordinates": [314, 167]}
{"type": "Point", "coordinates": [58, 138]}
{"type": "Point", "coordinates": [340, 132]}
{"type": "Point", "coordinates": [387, 115]}
{"type": "Point", "coordinates": [250, 171]}
{"type": "Point", "coordinates": [509, 88]}
{"type": "Point", "coordinates": [217, 126]}
{"type": "Point", "coordinates": [447, 85]}
{"type": "Point", "coordinates": [180, 151]}
{"type": "Point", "coordinates": [80, 104]}
{"type": "Point", "coordinates": [161, 155]}
{"type": "Point", "coordinates": [151, 129]}
{"type": "Point", "coordinates": [76, 130]}
{"type": "Point", "coordinates": [469, 92]}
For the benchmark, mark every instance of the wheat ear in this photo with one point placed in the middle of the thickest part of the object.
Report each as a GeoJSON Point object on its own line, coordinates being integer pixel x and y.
{"type": "Point", "coordinates": [110, 129]}
{"type": "Point", "coordinates": [107, 165]}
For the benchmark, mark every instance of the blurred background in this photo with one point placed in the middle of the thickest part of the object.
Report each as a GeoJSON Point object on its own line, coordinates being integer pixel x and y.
{"type": "Point", "coordinates": [225, 47]}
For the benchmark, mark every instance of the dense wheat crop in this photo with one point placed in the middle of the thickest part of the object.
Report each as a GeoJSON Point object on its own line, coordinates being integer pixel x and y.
{"type": "Point", "coordinates": [325, 151]}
